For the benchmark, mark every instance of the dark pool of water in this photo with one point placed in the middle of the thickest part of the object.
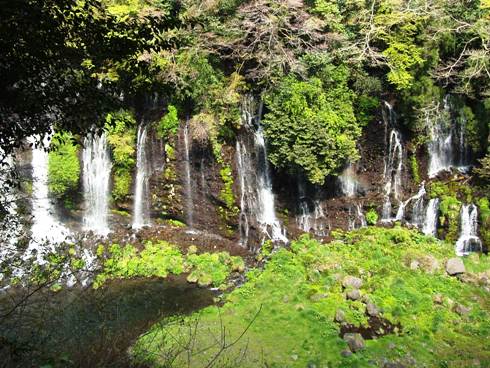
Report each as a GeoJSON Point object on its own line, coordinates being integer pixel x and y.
{"type": "Point", "coordinates": [91, 328]}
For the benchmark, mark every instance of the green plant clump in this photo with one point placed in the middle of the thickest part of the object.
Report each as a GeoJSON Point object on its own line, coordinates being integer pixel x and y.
{"type": "Point", "coordinates": [169, 123]}
{"type": "Point", "coordinates": [284, 315]}
{"type": "Point", "coordinates": [121, 136]}
{"type": "Point", "coordinates": [63, 166]}
{"type": "Point", "coordinates": [372, 217]}
{"type": "Point", "coordinates": [161, 259]}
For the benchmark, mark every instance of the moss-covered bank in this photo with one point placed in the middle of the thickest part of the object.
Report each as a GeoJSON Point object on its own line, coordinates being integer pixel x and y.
{"type": "Point", "coordinates": [290, 308]}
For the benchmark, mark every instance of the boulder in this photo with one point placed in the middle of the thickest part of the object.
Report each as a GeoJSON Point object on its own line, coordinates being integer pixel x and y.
{"type": "Point", "coordinates": [352, 282]}
{"type": "Point", "coordinates": [438, 299]}
{"type": "Point", "coordinates": [353, 294]}
{"type": "Point", "coordinates": [372, 310]}
{"type": "Point", "coordinates": [339, 316]}
{"type": "Point", "coordinates": [461, 310]}
{"type": "Point", "coordinates": [455, 266]}
{"type": "Point", "coordinates": [355, 341]}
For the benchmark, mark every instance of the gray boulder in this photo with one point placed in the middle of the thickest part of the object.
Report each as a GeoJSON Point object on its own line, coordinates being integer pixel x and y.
{"type": "Point", "coordinates": [352, 282]}
{"type": "Point", "coordinates": [355, 341]}
{"type": "Point", "coordinates": [455, 266]}
{"type": "Point", "coordinates": [353, 294]}
{"type": "Point", "coordinates": [372, 310]}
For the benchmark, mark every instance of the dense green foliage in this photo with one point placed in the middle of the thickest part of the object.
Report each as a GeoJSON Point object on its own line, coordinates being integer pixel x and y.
{"type": "Point", "coordinates": [310, 124]}
{"type": "Point", "coordinates": [299, 291]}
{"type": "Point", "coordinates": [161, 259]}
{"type": "Point", "coordinates": [121, 136]}
{"type": "Point", "coordinates": [63, 166]}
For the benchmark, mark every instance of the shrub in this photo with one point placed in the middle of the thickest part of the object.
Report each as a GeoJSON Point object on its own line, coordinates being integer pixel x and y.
{"type": "Point", "coordinates": [372, 217]}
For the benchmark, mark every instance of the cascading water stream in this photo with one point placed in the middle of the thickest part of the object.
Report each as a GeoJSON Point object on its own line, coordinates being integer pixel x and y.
{"type": "Point", "coordinates": [392, 174]}
{"type": "Point", "coordinates": [257, 198]}
{"type": "Point", "coordinates": [189, 199]}
{"type": "Point", "coordinates": [418, 198]}
{"type": "Point", "coordinates": [348, 183]}
{"type": "Point", "coordinates": [447, 146]}
{"type": "Point", "coordinates": [310, 220]}
{"type": "Point", "coordinates": [468, 239]}
{"type": "Point", "coordinates": [431, 216]}
{"type": "Point", "coordinates": [46, 230]}
{"type": "Point", "coordinates": [356, 217]}
{"type": "Point", "coordinates": [96, 182]}
{"type": "Point", "coordinates": [142, 187]}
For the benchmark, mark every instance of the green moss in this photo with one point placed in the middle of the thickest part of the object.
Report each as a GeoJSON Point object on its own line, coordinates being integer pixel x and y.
{"type": "Point", "coordinates": [175, 223]}
{"type": "Point", "coordinates": [450, 208]}
{"type": "Point", "coordinates": [229, 210]}
{"type": "Point", "coordinates": [290, 306]}
{"type": "Point", "coordinates": [484, 207]}
{"type": "Point", "coordinates": [161, 259]}
{"type": "Point", "coordinates": [63, 166]}
{"type": "Point", "coordinates": [372, 217]}
{"type": "Point", "coordinates": [121, 136]}
{"type": "Point", "coordinates": [414, 166]}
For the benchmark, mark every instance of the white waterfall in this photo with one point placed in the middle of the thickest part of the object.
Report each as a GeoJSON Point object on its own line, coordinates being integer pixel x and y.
{"type": "Point", "coordinates": [392, 174]}
{"type": "Point", "coordinates": [431, 216]}
{"type": "Point", "coordinates": [419, 197]}
{"type": "Point", "coordinates": [447, 145]}
{"type": "Point", "coordinates": [96, 182]}
{"type": "Point", "coordinates": [356, 217]}
{"type": "Point", "coordinates": [141, 212]}
{"type": "Point", "coordinates": [46, 230]}
{"type": "Point", "coordinates": [188, 192]}
{"type": "Point", "coordinates": [310, 220]}
{"type": "Point", "coordinates": [468, 239]}
{"type": "Point", "coordinates": [348, 183]}
{"type": "Point", "coordinates": [257, 201]}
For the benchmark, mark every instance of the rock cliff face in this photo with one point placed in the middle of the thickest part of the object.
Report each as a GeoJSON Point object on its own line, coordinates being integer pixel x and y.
{"type": "Point", "coordinates": [237, 195]}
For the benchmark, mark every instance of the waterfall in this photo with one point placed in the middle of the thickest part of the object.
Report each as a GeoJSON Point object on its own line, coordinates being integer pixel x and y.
{"type": "Point", "coordinates": [142, 187]}
{"type": "Point", "coordinates": [419, 197]}
{"type": "Point", "coordinates": [257, 201]}
{"type": "Point", "coordinates": [189, 200]}
{"type": "Point", "coordinates": [418, 211]}
{"type": "Point", "coordinates": [392, 175]}
{"type": "Point", "coordinates": [468, 239]}
{"type": "Point", "coordinates": [447, 146]}
{"type": "Point", "coordinates": [96, 181]}
{"type": "Point", "coordinates": [430, 222]}
{"type": "Point", "coordinates": [348, 182]}
{"type": "Point", "coordinates": [46, 229]}
{"type": "Point", "coordinates": [310, 220]}
{"type": "Point", "coordinates": [356, 217]}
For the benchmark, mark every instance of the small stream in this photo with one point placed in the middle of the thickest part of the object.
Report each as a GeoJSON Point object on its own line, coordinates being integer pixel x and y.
{"type": "Point", "coordinates": [91, 328]}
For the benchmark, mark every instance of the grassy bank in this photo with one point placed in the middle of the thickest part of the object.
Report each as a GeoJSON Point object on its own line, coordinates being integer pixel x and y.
{"type": "Point", "coordinates": [284, 315]}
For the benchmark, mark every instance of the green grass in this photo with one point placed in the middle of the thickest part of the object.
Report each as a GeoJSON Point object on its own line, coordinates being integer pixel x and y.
{"type": "Point", "coordinates": [287, 309]}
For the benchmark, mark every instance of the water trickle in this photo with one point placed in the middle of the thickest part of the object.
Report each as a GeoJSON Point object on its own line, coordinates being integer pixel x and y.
{"type": "Point", "coordinates": [431, 217]}
{"type": "Point", "coordinates": [188, 195]}
{"type": "Point", "coordinates": [257, 201]}
{"type": "Point", "coordinates": [418, 211]}
{"type": "Point", "coordinates": [311, 214]}
{"type": "Point", "coordinates": [392, 175]}
{"type": "Point", "coordinates": [141, 216]}
{"type": "Point", "coordinates": [348, 183]}
{"type": "Point", "coordinates": [419, 197]}
{"type": "Point", "coordinates": [46, 230]}
{"type": "Point", "coordinates": [96, 180]}
{"type": "Point", "coordinates": [468, 239]}
{"type": "Point", "coordinates": [356, 217]}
